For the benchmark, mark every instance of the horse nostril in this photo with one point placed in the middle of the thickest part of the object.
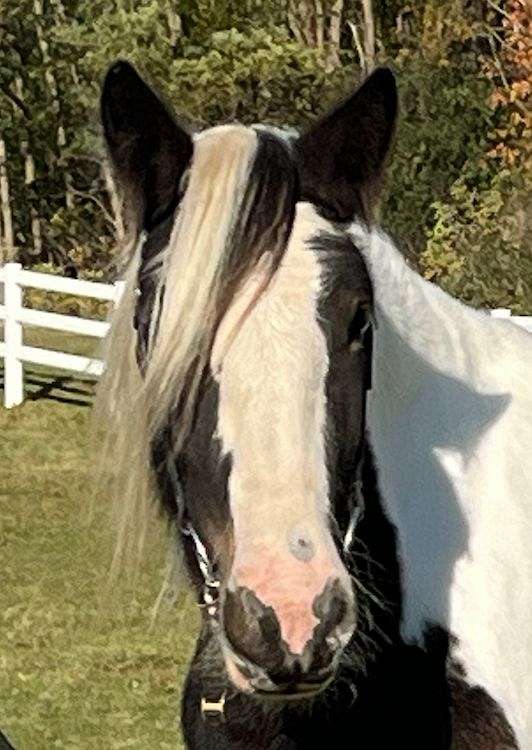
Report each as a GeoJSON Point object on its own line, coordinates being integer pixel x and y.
{"type": "Point", "coordinates": [336, 613]}
{"type": "Point", "coordinates": [331, 605]}
{"type": "Point", "coordinates": [252, 629]}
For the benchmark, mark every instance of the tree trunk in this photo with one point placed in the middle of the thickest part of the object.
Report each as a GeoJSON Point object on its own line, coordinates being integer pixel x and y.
{"type": "Point", "coordinates": [29, 178]}
{"type": "Point", "coordinates": [335, 26]}
{"type": "Point", "coordinates": [364, 37]}
{"type": "Point", "coordinates": [174, 26]}
{"type": "Point", "coordinates": [52, 86]}
{"type": "Point", "coordinates": [317, 26]}
{"type": "Point", "coordinates": [8, 243]}
{"type": "Point", "coordinates": [369, 34]}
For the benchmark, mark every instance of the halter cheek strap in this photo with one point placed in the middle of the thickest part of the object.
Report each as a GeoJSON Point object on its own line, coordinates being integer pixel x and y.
{"type": "Point", "coordinates": [357, 508]}
{"type": "Point", "coordinates": [211, 583]}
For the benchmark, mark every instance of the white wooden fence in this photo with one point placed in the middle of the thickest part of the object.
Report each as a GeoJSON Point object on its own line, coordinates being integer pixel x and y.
{"type": "Point", "coordinates": [15, 316]}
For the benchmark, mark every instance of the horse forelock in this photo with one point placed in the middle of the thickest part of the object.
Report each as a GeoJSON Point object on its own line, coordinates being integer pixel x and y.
{"type": "Point", "coordinates": [236, 213]}
{"type": "Point", "coordinates": [235, 249]}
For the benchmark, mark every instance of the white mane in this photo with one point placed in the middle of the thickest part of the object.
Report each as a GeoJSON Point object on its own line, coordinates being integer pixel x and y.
{"type": "Point", "coordinates": [134, 409]}
{"type": "Point", "coordinates": [451, 426]}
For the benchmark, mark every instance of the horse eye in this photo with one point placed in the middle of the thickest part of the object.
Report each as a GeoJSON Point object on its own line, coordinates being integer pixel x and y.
{"type": "Point", "coordinates": [357, 327]}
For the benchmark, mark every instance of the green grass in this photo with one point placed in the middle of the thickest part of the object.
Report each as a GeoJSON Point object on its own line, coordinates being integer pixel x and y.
{"type": "Point", "coordinates": [80, 666]}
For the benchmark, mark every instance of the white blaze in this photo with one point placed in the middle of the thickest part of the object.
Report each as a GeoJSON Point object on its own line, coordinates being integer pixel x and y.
{"type": "Point", "coordinates": [272, 418]}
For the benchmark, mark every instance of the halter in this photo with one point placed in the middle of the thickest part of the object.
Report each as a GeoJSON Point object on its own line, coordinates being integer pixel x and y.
{"type": "Point", "coordinates": [213, 710]}
{"type": "Point", "coordinates": [211, 583]}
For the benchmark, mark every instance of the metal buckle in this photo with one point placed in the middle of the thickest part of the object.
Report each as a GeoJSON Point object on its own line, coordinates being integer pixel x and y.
{"type": "Point", "coordinates": [210, 599]}
{"type": "Point", "coordinates": [213, 709]}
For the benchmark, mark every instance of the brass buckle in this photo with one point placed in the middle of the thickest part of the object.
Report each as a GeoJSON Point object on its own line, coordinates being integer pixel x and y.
{"type": "Point", "coordinates": [213, 709]}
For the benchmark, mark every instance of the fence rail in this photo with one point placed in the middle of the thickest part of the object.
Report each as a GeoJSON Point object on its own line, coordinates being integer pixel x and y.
{"type": "Point", "coordinates": [15, 316]}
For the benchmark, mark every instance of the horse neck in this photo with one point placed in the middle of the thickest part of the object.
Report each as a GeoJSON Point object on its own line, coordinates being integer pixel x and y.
{"type": "Point", "coordinates": [449, 423]}
{"type": "Point", "coordinates": [446, 334]}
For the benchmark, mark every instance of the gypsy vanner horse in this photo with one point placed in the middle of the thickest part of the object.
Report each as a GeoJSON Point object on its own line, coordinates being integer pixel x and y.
{"type": "Point", "coordinates": [342, 450]}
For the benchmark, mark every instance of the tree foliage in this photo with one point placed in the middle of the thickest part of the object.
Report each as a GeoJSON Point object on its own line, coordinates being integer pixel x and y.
{"type": "Point", "coordinates": [479, 245]}
{"type": "Point", "coordinates": [458, 189]}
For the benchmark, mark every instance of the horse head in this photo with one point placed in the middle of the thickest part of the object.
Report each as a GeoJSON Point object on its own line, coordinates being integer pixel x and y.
{"type": "Point", "coordinates": [245, 334]}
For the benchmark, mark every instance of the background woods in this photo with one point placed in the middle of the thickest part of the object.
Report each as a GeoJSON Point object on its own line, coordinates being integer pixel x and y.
{"type": "Point", "coordinates": [458, 192]}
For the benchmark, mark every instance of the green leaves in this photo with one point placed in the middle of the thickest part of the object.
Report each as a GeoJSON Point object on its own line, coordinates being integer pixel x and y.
{"type": "Point", "coordinates": [476, 249]}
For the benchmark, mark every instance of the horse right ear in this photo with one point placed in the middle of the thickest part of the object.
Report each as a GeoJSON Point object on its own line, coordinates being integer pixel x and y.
{"type": "Point", "coordinates": [341, 158]}
{"type": "Point", "coordinates": [148, 149]}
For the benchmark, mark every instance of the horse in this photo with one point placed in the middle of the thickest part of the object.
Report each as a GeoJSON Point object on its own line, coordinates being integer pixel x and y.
{"type": "Point", "coordinates": [275, 383]}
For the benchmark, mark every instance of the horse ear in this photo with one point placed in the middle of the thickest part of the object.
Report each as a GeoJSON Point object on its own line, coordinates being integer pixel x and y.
{"type": "Point", "coordinates": [148, 149]}
{"type": "Point", "coordinates": [341, 158]}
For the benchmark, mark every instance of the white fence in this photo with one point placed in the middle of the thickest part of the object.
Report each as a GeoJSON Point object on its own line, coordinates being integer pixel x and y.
{"type": "Point", "coordinates": [523, 321]}
{"type": "Point", "coordinates": [15, 316]}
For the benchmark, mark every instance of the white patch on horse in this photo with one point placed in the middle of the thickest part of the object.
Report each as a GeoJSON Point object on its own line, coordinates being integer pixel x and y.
{"type": "Point", "coordinates": [450, 420]}
{"type": "Point", "coordinates": [272, 417]}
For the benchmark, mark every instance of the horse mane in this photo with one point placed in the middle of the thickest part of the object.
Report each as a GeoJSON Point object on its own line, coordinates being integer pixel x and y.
{"type": "Point", "coordinates": [215, 244]}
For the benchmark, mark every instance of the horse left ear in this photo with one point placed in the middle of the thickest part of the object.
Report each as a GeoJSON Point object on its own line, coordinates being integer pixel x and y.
{"type": "Point", "coordinates": [149, 150]}
{"type": "Point", "coordinates": [341, 158]}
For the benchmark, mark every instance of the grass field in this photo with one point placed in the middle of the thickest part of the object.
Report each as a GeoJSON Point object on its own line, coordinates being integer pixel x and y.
{"type": "Point", "coordinates": [81, 666]}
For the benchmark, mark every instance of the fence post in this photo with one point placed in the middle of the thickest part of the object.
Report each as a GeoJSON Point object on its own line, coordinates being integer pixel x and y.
{"type": "Point", "coordinates": [501, 312]}
{"type": "Point", "coordinates": [13, 368]}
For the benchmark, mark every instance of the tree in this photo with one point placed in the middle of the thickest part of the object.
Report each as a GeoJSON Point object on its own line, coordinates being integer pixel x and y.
{"type": "Point", "coordinates": [461, 164]}
{"type": "Point", "coordinates": [479, 247]}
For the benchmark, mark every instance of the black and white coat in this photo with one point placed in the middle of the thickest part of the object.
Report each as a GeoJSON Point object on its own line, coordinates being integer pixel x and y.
{"type": "Point", "coordinates": [244, 339]}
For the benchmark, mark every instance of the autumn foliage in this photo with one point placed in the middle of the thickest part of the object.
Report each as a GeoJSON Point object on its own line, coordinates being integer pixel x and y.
{"type": "Point", "coordinates": [458, 191]}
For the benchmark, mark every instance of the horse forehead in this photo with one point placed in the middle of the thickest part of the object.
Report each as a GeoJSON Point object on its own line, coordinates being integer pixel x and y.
{"type": "Point", "coordinates": [321, 271]}
{"type": "Point", "coordinates": [278, 359]}
{"type": "Point", "coordinates": [280, 321]}
{"type": "Point", "coordinates": [282, 325]}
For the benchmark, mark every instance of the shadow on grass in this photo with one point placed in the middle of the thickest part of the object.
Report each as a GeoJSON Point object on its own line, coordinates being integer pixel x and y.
{"type": "Point", "coordinates": [65, 389]}
{"type": "Point", "coordinates": [4, 743]}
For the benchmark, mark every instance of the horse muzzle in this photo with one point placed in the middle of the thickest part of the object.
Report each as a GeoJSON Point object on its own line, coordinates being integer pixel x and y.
{"type": "Point", "coordinates": [285, 653]}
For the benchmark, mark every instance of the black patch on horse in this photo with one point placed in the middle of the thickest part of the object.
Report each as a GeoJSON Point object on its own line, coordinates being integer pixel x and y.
{"type": "Point", "coordinates": [344, 311]}
{"type": "Point", "coordinates": [477, 720]}
{"type": "Point", "coordinates": [4, 743]}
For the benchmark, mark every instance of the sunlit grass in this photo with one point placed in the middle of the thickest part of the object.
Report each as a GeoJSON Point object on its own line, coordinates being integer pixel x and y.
{"type": "Point", "coordinates": [80, 666]}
